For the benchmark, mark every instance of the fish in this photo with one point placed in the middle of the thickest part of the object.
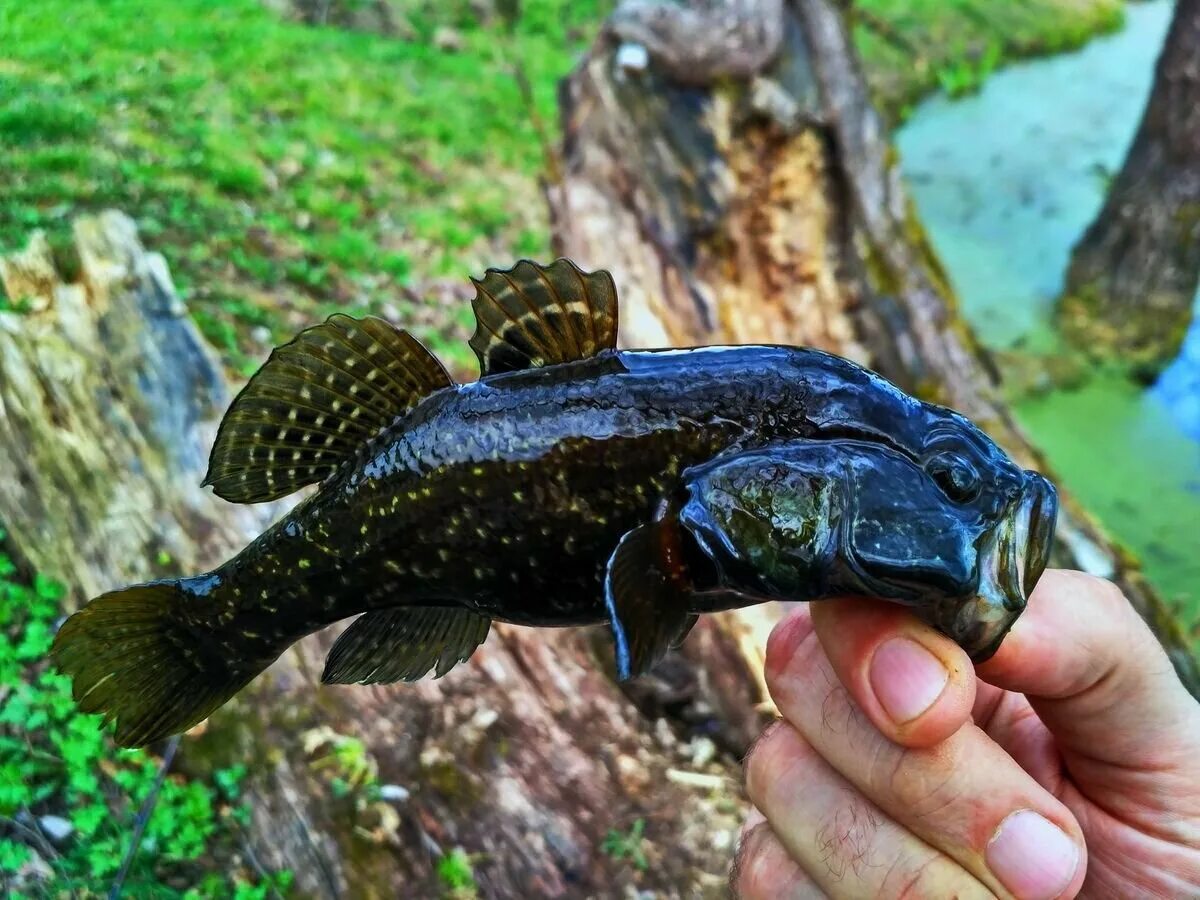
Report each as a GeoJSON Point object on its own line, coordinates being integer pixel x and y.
{"type": "Point", "coordinates": [573, 483]}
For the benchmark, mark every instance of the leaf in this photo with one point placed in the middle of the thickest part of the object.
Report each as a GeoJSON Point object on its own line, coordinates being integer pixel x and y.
{"type": "Point", "coordinates": [13, 855]}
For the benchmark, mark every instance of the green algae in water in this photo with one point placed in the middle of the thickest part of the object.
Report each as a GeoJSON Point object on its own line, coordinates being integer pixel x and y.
{"type": "Point", "coordinates": [1121, 452]}
{"type": "Point", "coordinates": [1006, 182]}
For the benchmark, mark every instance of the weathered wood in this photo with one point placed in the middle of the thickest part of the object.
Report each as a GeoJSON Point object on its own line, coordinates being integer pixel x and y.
{"type": "Point", "coordinates": [1133, 276]}
{"type": "Point", "coordinates": [772, 209]}
{"type": "Point", "coordinates": [527, 757]}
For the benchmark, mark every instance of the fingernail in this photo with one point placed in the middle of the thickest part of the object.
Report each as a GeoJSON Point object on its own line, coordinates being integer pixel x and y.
{"type": "Point", "coordinates": [906, 678]}
{"type": "Point", "coordinates": [1033, 857]}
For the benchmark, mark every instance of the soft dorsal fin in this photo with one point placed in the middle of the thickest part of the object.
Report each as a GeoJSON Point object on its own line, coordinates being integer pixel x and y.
{"type": "Point", "coordinates": [315, 401]}
{"type": "Point", "coordinates": [403, 644]}
{"type": "Point", "coordinates": [533, 315]}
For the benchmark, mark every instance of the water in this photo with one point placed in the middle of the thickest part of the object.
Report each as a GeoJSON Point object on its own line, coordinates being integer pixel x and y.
{"type": "Point", "coordinates": [1006, 181]}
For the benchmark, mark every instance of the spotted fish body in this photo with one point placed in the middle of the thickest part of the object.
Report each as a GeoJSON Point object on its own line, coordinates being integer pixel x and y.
{"type": "Point", "coordinates": [571, 484]}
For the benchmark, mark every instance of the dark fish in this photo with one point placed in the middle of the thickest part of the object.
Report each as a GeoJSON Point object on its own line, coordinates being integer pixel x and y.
{"type": "Point", "coordinates": [572, 484]}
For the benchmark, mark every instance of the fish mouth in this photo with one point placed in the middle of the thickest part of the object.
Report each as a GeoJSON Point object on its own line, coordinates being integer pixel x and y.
{"type": "Point", "coordinates": [1011, 560]}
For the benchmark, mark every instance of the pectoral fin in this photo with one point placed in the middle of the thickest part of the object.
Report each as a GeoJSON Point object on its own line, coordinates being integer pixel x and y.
{"type": "Point", "coordinates": [404, 644]}
{"type": "Point", "coordinates": [646, 589]}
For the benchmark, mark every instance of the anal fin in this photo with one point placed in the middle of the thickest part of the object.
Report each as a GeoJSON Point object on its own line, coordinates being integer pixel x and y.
{"type": "Point", "coordinates": [646, 590]}
{"type": "Point", "coordinates": [404, 644]}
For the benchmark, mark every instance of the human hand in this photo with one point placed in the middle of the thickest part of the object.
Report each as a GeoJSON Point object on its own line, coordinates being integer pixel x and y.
{"type": "Point", "coordinates": [1069, 766]}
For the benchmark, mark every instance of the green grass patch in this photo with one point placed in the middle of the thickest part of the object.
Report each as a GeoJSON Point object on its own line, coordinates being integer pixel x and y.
{"type": "Point", "coordinates": [279, 165]}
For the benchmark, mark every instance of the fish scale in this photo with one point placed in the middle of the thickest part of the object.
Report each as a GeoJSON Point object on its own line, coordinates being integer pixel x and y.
{"type": "Point", "coordinates": [572, 484]}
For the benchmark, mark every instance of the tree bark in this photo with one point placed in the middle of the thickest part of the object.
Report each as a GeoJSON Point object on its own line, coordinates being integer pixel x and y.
{"type": "Point", "coordinates": [1133, 276]}
{"type": "Point", "coordinates": [527, 757]}
{"type": "Point", "coordinates": [772, 210]}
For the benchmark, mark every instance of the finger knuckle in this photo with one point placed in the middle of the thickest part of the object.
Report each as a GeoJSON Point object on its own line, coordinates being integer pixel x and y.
{"type": "Point", "coordinates": [772, 755]}
{"type": "Point", "coordinates": [924, 786]}
{"type": "Point", "coordinates": [913, 878]}
{"type": "Point", "coordinates": [845, 841]}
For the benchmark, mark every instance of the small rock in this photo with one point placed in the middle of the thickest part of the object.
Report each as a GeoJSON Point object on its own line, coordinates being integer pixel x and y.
{"type": "Point", "coordinates": [394, 793]}
{"type": "Point", "coordinates": [703, 751]}
{"type": "Point", "coordinates": [448, 39]}
{"type": "Point", "coordinates": [484, 719]}
{"type": "Point", "coordinates": [289, 167]}
{"type": "Point", "coordinates": [633, 57]}
{"type": "Point", "coordinates": [56, 828]}
{"type": "Point", "coordinates": [722, 839]}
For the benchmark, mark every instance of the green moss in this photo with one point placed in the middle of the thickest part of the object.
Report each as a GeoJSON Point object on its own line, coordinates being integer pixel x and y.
{"type": "Point", "coordinates": [450, 780]}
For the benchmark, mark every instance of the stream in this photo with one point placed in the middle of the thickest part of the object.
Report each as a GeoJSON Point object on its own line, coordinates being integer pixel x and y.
{"type": "Point", "coordinates": [1006, 181]}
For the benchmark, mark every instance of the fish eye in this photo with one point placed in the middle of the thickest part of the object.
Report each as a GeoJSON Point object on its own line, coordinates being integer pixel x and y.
{"type": "Point", "coordinates": [955, 476]}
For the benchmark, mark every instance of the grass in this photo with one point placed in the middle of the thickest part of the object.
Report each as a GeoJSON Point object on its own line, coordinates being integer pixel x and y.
{"type": "Point", "coordinates": [285, 170]}
{"type": "Point", "coordinates": [911, 47]}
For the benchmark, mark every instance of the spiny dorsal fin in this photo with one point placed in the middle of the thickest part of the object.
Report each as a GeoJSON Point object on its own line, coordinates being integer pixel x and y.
{"type": "Point", "coordinates": [533, 315]}
{"type": "Point", "coordinates": [315, 401]}
{"type": "Point", "coordinates": [404, 644]}
{"type": "Point", "coordinates": [646, 590]}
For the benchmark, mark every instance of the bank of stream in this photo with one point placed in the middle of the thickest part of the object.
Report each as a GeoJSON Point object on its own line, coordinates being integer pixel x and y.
{"type": "Point", "coordinates": [1006, 181]}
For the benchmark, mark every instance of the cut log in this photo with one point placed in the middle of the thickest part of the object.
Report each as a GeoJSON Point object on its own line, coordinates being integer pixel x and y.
{"type": "Point", "coordinates": [527, 758]}
{"type": "Point", "coordinates": [772, 210]}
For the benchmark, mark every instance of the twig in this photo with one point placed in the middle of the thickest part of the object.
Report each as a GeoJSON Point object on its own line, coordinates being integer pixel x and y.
{"type": "Point", "coordinates": [143, 817]}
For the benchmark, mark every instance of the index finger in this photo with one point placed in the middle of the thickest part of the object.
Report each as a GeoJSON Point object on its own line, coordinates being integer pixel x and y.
{"type": "Point", "coordinates": [915, 684]}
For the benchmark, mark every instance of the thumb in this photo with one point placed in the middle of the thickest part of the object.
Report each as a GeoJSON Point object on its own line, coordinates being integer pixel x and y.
{"type": "Point", "coordinates": [1097, 676]}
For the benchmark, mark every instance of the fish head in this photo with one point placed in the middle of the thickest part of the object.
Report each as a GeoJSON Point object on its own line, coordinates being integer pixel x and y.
{"type": "Point", "coordinates": [958, 535]}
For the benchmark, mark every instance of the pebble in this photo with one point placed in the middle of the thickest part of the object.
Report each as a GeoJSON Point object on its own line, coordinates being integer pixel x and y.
{"type": "Point", "coordinates": [394, 793]}
{"type": "Point", "coordinates": [56, 828]}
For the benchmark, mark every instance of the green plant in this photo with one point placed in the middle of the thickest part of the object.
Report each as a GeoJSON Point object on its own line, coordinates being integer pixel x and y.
{"type": "Point", "coordinates": [628, 845]}
{"type": "Point", "coordinates": [966, 75]}
{"type": "Point", "coordinates": [57, 762]}
{"type": "Point", "coordinates": [455, 872]}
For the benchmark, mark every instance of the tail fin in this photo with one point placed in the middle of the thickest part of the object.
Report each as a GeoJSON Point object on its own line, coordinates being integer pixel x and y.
{"type": "Point", "coordinates": [139, 656]}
